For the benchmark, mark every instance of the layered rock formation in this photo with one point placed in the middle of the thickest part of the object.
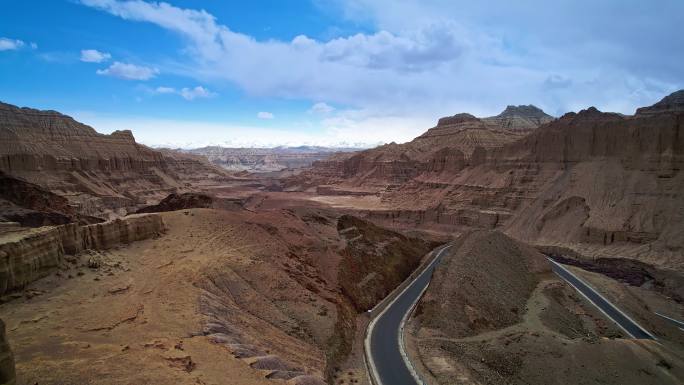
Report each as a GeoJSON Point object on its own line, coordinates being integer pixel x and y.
{"type": "Point", "coordinates": [26, 255]}
{"type": "Point", "coordinates": [179, 202]}
{"type": "Point", "coordinates": [375, 260]}
{"type": "Point", "coordinates": [444, 149]}
{"type": "Point", "coordinates": [33, 140]}
{"type": "Point", "coordinates": [265, 159]}
{"type": "Point", "coordinates": [100, 174]}
{"type": "Point", "coordinates": [31, 205]}
{"type": "Point", "coordinates": [521, 118]}
{"type": "Point", "coordinates": [604, 184]}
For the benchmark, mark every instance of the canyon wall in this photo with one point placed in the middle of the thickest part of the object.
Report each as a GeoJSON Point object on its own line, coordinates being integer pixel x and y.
{"type": "Point", "coordinates": [26, 255]}
{"type": "Point", "coordinates": [604, 184]}
{"type": "Point", "coordinates": [446, 148]}
{"type": "Point", "coordinates": [100, 175]}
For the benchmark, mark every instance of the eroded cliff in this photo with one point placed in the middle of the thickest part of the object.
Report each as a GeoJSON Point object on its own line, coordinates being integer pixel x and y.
{"type": "Point", "coordinates": [101, 175]}
{"type": "Point", "coordinates": [604, 184]}
{"type": "Point", "coordinates": [29, 254]}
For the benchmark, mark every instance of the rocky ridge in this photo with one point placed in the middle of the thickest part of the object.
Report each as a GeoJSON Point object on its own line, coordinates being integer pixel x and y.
{"type": "Point", "coordinates": [179, 202]}
{"type": "Point", "coordinates": [26, 255]}
{"type": "Point", "coordinates": [101, 175]}
{"type": "Point", "coordinates": [446, 148]}
{"type": "Point", "coordinates": [521, 118]}
{"type": "Point", "coordinates": [602, 183]}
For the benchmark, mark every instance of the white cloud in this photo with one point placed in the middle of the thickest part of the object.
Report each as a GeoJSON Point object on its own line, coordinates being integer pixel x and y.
{"type": "Point", "coordinates": [129, 71]}
{"type": "Point", "coordinates": [94, 56]}
{"type": "Point", "coordinates": [165, 90]}
{"type": "Point", "coordinates": [348, 128]}
{"type": "Point", "coordinates": [10, 44]}
{"type": "Point", "coordinates": [197, 92]}
{"type": "Point", "coordinates": [442, 57]}
{"type": "Point", "coordinates": [265, 115]}
{"type": "Point", "coordinates": [321, 108]}
{"type": "Point", "coordinates": [187, 93]}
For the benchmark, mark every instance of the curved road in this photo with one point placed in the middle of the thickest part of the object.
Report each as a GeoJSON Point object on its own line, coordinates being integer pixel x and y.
{"type": "Point", "coordinates": [383, 346]}
{"type": "Point", "coordinates": [387, 362]}
{"type": "Point", "coordinates": [611, 311]}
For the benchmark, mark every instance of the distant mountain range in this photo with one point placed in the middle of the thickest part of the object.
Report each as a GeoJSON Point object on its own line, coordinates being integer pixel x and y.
{"type": "Point", "coordinates": [266, 159]}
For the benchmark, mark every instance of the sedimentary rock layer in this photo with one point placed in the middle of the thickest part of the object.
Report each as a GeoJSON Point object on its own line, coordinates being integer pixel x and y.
{"type": "Point", "coordinates": [603, 182]}
{"type": "Point", "coordinates": [28, 255]}
{"type": "Point", "coordinates": [99, 174]}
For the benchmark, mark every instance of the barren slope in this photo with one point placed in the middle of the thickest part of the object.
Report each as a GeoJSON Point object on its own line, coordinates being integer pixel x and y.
{"type": "Point", "coordinates": [238, 294]}
{"type": "Point", "coordinates": [495, 315]}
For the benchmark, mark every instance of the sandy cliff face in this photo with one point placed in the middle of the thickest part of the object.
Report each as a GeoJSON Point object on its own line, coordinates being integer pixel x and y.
{"type": "Point", "coordinates": [616, 182]}
{"type": "Point", "coordinates": [100, 174]}
{"type": "Point", "coordinates": [26, 255]}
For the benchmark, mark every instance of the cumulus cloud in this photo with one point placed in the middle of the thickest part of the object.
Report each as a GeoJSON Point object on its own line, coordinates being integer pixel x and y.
{"type": "Point", "coordinates": [442, 57]}
{"type": "Point", "coordinates": [10, 44]}
{"type": "Point", "coordinates": [94, 56]}
{"type": "Point", "coordinates": [321, 108]}
{"type": "Point", "coordinates": [165, 90]}
{"type": "Point", "coordinates": [129, 71]}
{"type": "Point", "coordinates": [265, 115]}
{"type": "Point", "coordinates": [197, 92]}
{"type": "Point", "coordinates": [187, 93]}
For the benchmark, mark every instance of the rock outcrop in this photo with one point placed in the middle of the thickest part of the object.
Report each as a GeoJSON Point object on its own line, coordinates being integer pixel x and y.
{"type": "Point", "coordinates": [671, 103]}
{"type": "Point", "coordinates": [34, 140]}
{"type": "Point", "coordinates": [179, 202]}
{"type": "Point", "coordinates": [26, 255]}
{"type": "Point", "coordinates": [375, 260]}
{"type": "Point", "coordinates": [33, 206]}
{"type": "Point", "coordinates": [521, 118]}
{"type": "Point", "coordinates": [7, 372]}
{"type": "Point", "coordinates": [105, 175]}
{"type": "Point", "coordinates": [444, 149]}
{"type": "Point", "coordinates": [592, 180]}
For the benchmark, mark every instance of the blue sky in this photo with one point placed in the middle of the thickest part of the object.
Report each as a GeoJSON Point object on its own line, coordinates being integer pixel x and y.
{"type": "Point", "coordinates": [330, 72]}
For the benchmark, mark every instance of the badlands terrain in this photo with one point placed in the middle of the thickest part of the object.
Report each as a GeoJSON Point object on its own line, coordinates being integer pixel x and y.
{"type": "Point", "coordinates": [123, 264]}
{"type": "Point", "coordinates": [265, 159]}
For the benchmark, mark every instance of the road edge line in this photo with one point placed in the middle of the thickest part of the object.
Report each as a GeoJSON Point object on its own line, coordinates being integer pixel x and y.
{"type": "Point", "coordinates": [368, 359]}
{"type": "Point", "coordinates": [679, 323]}
{"type": "Point", "coordinates": [605, 299]}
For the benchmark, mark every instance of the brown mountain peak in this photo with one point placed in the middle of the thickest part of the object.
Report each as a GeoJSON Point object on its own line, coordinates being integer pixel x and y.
{"type": "Point", "coordinates": [456, 119]}
{"type": "Point", "coordinates": [673, 102]}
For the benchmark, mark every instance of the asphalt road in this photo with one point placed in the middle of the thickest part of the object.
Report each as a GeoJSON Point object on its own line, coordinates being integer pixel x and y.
{"type": "Point", "coordinates": [384, 350]}
{"type": "Point", "coordinates": [679, 324]}
{"type": "Point", "coordinates": [612, 312]}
